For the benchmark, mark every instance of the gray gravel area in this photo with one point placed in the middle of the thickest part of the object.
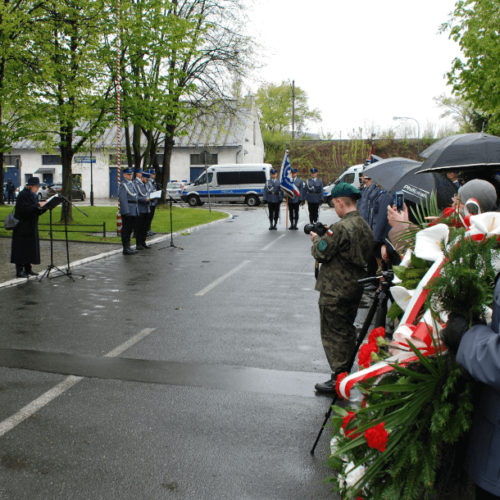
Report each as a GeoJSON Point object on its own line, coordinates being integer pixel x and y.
{"type": "Point", "coordinates": [77, 251]}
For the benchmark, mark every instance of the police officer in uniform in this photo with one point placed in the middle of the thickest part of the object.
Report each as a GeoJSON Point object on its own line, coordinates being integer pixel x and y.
{"type": "Point", "coordinates": [294, 204]}
{"type": "Point", "coordinates": [129, 210]}
{"type": "Point", "coordinates": [143, 204]}
{"type": "Point", "coordinates": [314, 195]}
{"type": "Point", "coordinates": [343, 253]}
{"type": "Point", "coordinates": [152, 203]}
{"type": "Point", "coordinates": [273, 196]}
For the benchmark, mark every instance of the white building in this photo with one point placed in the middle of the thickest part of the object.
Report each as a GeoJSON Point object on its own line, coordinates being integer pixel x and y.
{"type": "Point", "coordinates": [229, 137]}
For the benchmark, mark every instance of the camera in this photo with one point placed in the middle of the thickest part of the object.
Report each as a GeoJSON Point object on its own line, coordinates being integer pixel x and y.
{"type": "Point", "coordinates": [317, 228]}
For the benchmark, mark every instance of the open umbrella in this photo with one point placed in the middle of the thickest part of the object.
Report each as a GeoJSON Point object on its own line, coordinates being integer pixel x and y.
{"type": "Point", "coordinates": [463, 151]}
{"type": "Point", "coordinates": [441, 144]}
{"type": "Point", "coordinates": [403, 177]}
{"type": "Point", "coordinates": [387, 172]}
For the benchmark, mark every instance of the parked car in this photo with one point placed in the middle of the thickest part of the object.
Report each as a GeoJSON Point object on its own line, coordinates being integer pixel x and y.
{"type": "Point", "coordinates": [43, 192]}
{"type": "Point", "coordinates": [77, 193]}
{"type": "Point", "coordinates": [174, 188]}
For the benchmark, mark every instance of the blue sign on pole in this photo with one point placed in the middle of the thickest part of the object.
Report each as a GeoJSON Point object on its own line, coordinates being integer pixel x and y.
{"type": "Point", "coordinates": [84, 159]}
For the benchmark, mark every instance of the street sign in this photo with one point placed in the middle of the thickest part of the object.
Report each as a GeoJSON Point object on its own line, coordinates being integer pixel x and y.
{"type": "Point", "coordinates": [84, 159]}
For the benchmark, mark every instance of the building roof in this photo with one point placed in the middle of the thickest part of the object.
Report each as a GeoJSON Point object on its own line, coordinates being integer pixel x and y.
{"type": "Point", "coordinates": [223, 128]}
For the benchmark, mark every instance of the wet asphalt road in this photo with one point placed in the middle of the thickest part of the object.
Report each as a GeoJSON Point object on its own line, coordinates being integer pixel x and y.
{"type": "Point", "coordinates": [195, 373]}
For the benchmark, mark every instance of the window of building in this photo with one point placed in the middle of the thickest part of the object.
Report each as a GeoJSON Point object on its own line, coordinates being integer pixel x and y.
{"type": "Point", "coordinates": [12, 160]}
{"type": "Point", "coordinates": [258, 177]}
{"type": "Point", "coordinates": [200, 159]}
{"type": "Point", "coordinates": [27, 176]}
{"type": "Point", "coordinates": [51, 160]}
{"type": "Point", "coordinates": [113, 159]}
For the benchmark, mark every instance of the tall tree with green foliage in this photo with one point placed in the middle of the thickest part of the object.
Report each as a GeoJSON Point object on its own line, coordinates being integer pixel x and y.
{"type": "Point", "coordinates": [475, 77]}
{"type": "Point", "coordinates": [275, 104]}
{"type": "Point", "coordinates": [71, 87]}
{"type": "Point", "coordinates": [16, 25]}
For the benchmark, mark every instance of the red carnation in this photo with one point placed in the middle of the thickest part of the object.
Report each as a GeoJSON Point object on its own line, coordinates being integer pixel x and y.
{"type": "Point", "coordinates": [375, 333]}
{"type": "Point", "coordinates": [340, 377]}
{"type": "Point", "coordinates": [365, 354]}
{"type": "Point", "coordinates": [350, 433]}
{"type": "Point", "coordinates": [376, 437]}
{"type": "Point", "coordinates": [448, 211]}
{"type": "Point", "coordinates": [477, 237]}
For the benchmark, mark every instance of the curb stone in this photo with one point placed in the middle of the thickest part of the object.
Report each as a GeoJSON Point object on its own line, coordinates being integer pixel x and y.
{"type": "Point", "coordinates": [81, 262]}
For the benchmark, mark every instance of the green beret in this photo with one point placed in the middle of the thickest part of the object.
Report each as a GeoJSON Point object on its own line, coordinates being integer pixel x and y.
{"type": "Point", "coordinates": [343, 189]}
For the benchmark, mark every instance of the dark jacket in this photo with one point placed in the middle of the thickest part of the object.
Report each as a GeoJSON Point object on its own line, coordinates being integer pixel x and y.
{"type": "Point", "coordinates": [479, 354]}
{"type": "Point", "coordinates": [368, 197]}
{"type": "Point", "coordinates": [25, 242]}
{"type": "Point", "coordinates": [378, 217]}
{"type": "Point", "coordinates": [10, 187]}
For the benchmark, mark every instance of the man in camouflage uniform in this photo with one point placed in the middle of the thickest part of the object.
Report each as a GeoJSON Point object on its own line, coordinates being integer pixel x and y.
{"type": "Point", "coordinates": [343, 253]}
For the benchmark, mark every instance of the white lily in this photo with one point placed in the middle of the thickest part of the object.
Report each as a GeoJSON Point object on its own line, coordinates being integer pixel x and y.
{"type": "Point", "coordinates": [407, 258]}
{"type": "Point", "coordinates": [487, 223]}
{"type": "Point", "coordinates": [428, 242]}
{"type": "Point", "coordinates": [353, 474]}
{"type": "Point", "coordinates": [402, 296]}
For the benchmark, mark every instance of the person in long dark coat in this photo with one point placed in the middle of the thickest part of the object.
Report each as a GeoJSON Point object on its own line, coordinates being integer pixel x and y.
{"type": "Point", "coordinates": [25, 241]}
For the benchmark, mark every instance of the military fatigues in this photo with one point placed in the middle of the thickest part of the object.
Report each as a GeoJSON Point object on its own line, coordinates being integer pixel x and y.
{"type": "Point", "coordinates": [343, 254]}
{"type": "Point", "coordinates": [314, 197]}
{"type": "Point", "coordinates": [295, 203]}
{"type": "Point", "coordinates": [273, 195]}
{"type": "Point", "coordinates": [129, 210]}
{"type": "Point", "coordinates": [143, 204]}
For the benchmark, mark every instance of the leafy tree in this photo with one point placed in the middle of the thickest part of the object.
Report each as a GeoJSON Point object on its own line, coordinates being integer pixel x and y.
{"type": "Point", "coordinates": [462, 112]}
{"type": "Point", "coordinates": [275, 104]}
{"type": "Point", "coordinates": [71, 87]}
{"type": "Point", "coordinates": [16, 24]}
{"type": "Point", "coordinates": [475, 77]}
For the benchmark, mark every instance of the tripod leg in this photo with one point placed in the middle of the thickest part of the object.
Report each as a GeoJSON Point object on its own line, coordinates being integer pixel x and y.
{"type": "Point", "coordinates": [361, 338]}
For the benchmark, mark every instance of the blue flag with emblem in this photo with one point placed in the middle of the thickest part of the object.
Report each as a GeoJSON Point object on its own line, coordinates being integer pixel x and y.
{"type": "Point", "coordinates": [286, 178]}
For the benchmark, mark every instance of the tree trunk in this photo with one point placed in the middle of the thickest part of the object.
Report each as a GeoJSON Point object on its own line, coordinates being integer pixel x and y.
{"type": "Point", "coordinates": [2, 178]}
{"type": "Point", "coordinates": [67, 178]}
{"type": "Point", "coordinates": [167, 156]}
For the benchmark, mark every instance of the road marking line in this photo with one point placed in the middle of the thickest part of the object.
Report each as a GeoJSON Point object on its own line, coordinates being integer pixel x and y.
{"type": "Point", "coordinates": [129, 343]}
{"type": "Point", "coordinates": [222, 278]}
{"type": "Point", "coordinates": [62, 387]}
{"type": "Point", "coordinates": [273, 242]}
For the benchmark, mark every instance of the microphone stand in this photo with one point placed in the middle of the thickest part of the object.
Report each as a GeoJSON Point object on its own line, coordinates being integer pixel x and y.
{"type": "Point", "coordinates": [170, 201]}
{"type": "Point", "coordinates": [66, 204]}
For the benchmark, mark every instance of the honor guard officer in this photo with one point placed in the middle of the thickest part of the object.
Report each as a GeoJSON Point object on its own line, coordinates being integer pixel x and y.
{"type": "Point", "coordinates": [129, 210]}
{"type": "Point", "coordinates": [153, 203]}
{"type": "Point", "coordinates": [314, 195]}
{"type": "Point", "coordinates": [273, 196]}
{"type": "Point", "coordinates": [294, 204]}
{"type": "Point", "coordinates": [143, 204]}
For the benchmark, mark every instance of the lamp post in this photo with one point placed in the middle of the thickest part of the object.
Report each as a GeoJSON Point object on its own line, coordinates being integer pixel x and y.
{"type": "Point", "coordinates": [208, 160]}
{"type": "Point", "coordinates": [418, 125]}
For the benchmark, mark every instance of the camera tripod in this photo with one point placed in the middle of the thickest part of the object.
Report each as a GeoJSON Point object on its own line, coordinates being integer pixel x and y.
{"type": "Point", "coordinates": [378, 310]}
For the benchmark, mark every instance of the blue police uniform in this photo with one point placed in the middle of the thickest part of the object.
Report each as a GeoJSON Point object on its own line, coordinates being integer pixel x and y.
{"type": "Point", "coordinates": [143, 204]}
{"type": "Point", "coordinates": [313, 196]}
{"type": "Point", "coordinates": [152, 204]}
{"type": "Point", "coordinates": [129, 210]}
{"type": "Point", "coordinates": [294, 204]}
{"type": "Point", "coordinates": [273, 195]}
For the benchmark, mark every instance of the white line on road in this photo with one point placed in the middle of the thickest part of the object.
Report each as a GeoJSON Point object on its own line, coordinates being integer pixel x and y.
{"type": "Point", "coordinates": [62, 387]}
{"type": "Point", "coordinates": [273, 242]}
{"type": "Point", "coordinates": [222, 278]}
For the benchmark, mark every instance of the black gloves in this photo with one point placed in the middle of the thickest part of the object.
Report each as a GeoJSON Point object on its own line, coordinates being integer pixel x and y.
{"type": "Point", "coordinates": [453, 332]}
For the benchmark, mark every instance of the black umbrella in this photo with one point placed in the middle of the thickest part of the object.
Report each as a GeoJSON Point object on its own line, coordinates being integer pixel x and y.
{"type": "Point", "coordinates": [463, 151]}
{"type": "Point", "coordinates": [416, 188]}
{"type": "Point", "coordinates": [440, 145]}
{"type": "Point", "coordinates": [387, 172]}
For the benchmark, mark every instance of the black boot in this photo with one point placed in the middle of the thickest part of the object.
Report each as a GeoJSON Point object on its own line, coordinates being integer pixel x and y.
{"type": "Point", "coordinates": [29, 271]}
{"type": "Point", "coordinates": [270, 225]}
{"type": "Point", "coordinates": [327, 387]}
{"type": "Point", "coordinates": [274, 227]}
{"type": "Point", "coordinates": [20, 272]}
{"type": "Point", "coordinates": [128, 251]}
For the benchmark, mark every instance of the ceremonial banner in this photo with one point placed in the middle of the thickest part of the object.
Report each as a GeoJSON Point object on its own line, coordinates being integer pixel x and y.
{"type": "Point", "coordinates": [286, 179]}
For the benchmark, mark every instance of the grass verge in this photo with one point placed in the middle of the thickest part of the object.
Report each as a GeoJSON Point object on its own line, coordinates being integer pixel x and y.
{"type": "Point", "coordinates": [182, 218]}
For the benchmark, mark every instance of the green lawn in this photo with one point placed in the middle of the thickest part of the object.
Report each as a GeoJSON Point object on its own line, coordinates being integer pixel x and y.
{"type": "Point", "coordinates": [183, 218]}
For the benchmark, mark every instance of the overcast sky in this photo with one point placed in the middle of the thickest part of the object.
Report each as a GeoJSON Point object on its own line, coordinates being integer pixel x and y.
{"type": "Point", "coordinates": [361, 62]}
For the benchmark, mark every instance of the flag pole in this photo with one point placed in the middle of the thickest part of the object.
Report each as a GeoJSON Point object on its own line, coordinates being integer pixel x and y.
{"type": "Point", "coordinates": [286, 218]}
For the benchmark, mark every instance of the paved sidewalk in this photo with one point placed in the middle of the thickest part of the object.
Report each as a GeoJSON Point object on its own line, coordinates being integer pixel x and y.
{"type": "Point", "coordinates": [77, 251]}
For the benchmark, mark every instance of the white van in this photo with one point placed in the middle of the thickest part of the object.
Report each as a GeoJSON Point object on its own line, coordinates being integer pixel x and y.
{"type": "Point", "coordinates": [349, 175]}
{"type": "Point", "coordinates": [235, 183]}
